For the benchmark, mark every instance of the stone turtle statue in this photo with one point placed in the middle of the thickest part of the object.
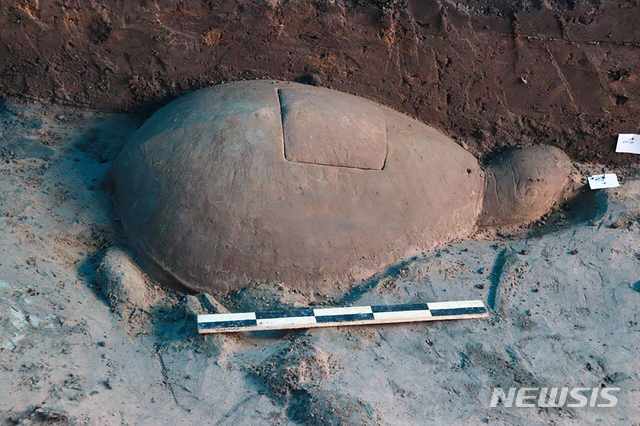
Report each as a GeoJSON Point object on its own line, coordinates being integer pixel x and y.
{"type": "Point", "coordinates": [270, 181]}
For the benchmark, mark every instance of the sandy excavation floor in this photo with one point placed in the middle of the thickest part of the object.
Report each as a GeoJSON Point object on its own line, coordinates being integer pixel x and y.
{"type": "Point", "coordinates": [564, 296]}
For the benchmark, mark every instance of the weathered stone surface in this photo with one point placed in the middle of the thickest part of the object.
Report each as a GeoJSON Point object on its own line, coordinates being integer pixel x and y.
{"type": "Point", "coordinates": [206, 191]}
{"type": "Point", "coordinates": [523, 184]}
{"type": "Point", "coordinates": [332, 128]}
{"type": "Point", "coordinates": [122, 283]}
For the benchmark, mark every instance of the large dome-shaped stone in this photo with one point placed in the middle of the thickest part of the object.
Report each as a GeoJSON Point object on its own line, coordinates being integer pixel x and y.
{"type": "Point", "coordinates": [276, 181]}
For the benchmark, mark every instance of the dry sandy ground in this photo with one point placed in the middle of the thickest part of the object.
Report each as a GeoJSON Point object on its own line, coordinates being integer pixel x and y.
{"type": "Point", "coordinates": [564, 296]}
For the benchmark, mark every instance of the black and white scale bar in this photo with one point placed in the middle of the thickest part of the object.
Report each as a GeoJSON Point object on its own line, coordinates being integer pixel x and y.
{"type": "Point", "coordinates": [331, 317]}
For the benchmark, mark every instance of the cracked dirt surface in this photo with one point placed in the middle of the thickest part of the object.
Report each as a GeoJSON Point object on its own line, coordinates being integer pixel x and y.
{"type": "Point", "coordinates": [490, 73]}
{"type": "Point", "coordinates": [563, 293]}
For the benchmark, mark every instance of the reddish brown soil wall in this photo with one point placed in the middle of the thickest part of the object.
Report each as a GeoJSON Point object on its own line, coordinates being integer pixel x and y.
{"type": "Point", "coordinates": [490, 73]}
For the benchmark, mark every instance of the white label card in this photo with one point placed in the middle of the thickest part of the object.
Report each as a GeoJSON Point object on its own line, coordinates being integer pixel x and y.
{"type": "Point", "coordinates": [628, 142]}
{"type": "Point", "coordinates": [609, 180]}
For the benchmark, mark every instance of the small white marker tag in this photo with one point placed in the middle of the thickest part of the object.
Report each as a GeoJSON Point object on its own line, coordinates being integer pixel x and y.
{"type": "Point", "coordinates": [628, 142]}
{"type": "Point", "coordinates": [609, 180]}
